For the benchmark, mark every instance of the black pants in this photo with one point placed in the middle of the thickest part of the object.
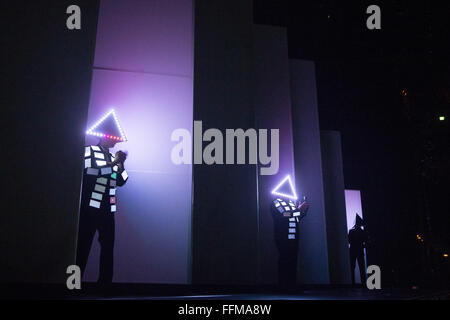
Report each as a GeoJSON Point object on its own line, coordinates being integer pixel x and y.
{"type": "Point", "coordinates": [287, 261]}
{"type": "Point", "coordinates": [101, 220]}
{"type": "Point", "coordinates": [358, 256]}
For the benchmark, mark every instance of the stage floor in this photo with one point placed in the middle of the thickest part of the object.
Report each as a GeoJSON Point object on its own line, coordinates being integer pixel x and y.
{"type": "Point", "coordinates": [184, 292]}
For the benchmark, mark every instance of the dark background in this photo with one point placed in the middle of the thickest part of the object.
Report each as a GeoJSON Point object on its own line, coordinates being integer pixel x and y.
{"type": "Point", "coordinates": [45, 81]}
{"type": "Point", "coordinates": [395, 149]}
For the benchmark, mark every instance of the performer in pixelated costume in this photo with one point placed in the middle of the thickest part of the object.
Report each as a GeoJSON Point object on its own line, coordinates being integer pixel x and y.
{"type": "Point", "coordinates": [286, 216]}
{"type": "Point", "coordinates": [103, 173]}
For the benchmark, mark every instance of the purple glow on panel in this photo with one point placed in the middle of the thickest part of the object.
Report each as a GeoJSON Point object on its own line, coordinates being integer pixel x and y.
{"type": "Point", "coordinates": [153, 36]}
{"type": "Point", "coordinates": [353, 206]}
{"type": "Point", "coordinates": [143, 69]}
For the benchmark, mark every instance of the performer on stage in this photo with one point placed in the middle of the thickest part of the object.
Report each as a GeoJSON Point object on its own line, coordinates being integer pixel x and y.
{"type": "Point", "coordinates": [103, 173]}
{"type": "Point", "coordinates": [286, 216]}
{"type": "Point", "coordinates": [357, 237]}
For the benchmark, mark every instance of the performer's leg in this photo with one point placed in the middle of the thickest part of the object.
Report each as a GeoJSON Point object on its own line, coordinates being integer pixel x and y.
{"type": "Point", "coordinates": [352, 266]}
{"type": "Point", "coordinates": [106, 231]}
{"type": "Point", "coordinates": [86, 232]}
{"type": "Point", "coordinates": [293, 258]}
{"type": "Point", "coordinates": [283, 266]}
{"type": "Point", "coordinates": [282, 259]}
{"type": "Point", "coordinates": [362, 268]}
{"type": "Point", "coordinates": [287, 264]}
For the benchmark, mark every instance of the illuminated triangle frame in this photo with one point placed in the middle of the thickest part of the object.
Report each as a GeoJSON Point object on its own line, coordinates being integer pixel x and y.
{"type": "Point", "coordinates": [91, 131]}
{"type": "Point", "coordinates": [294, 194]}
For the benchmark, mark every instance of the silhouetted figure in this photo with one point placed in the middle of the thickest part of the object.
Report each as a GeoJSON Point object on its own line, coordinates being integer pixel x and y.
{"type": "Point", "coordinates": [357, 237]}
{"type": "Point", "coordinates": [102, 174]}
{"type": "Point", "coordinates": [286, 216]}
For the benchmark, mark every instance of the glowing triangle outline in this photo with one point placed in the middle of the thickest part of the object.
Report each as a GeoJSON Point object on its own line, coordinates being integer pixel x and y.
{"type": "Point", "coordinates": [91, 130]}
{"type": "Point", "coordinates": [294, 194]}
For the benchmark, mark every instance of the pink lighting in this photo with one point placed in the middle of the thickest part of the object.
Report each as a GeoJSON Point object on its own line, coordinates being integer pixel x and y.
{"type": "Point", "coordinates": [353, 206]}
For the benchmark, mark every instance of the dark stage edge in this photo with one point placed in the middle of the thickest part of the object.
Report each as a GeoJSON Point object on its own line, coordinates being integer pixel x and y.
{"type": "Point", "coordinates": [123, 291]}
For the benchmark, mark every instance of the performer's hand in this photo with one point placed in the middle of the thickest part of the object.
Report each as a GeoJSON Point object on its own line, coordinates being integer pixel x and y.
{"type": "Point", "coordinates": [120, 157]}
{"type": "Point", "coordinates": [304, 206]}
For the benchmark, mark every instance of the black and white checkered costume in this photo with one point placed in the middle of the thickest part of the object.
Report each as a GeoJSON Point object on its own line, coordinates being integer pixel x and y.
{"type": "Point", "coordinates": [98, 207]}
{"type": "Point", "coordinates": [286, 217]}
{"type": "Point", "coordinates": [101, 179]}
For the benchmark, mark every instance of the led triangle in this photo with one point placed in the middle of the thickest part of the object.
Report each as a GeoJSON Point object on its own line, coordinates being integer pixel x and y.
{"type": "Point", "coordinates": [117, 132]}
{"type": "Point", "coordinates": [286, 181]}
